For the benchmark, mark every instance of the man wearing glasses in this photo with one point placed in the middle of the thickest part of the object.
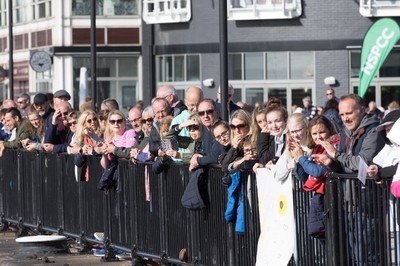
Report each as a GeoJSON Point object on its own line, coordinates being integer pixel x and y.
{"type": "Point", "coordinates": [209, 115]}
{"type": "Point", "coordinates": [57, 135]}
{"type": "Point", "coordinates": [24, 104]}
{"type": "Point", "coordinates": [135, 118]}
{"type": "Point", "coordinates": [330, 94]}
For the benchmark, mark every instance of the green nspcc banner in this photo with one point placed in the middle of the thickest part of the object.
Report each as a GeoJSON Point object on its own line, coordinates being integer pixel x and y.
{"type": "Point", "coordinates": [378, 42]}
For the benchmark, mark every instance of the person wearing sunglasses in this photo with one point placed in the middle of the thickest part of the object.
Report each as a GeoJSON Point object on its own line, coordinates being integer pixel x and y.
{"type": "Point", "coordinates": [139, 151]}
{"type": "Point", "coordinates": [117, 135]}
{"type": "Point", "coordinates": [135, 119]}
{"type": "Point", "coordinates": [191, 144]}
{"type": "Point", "coordinates": [208, 113]}
{"type": "Point", "coordinates": [330, 95]}
{"type": "Point", "coordinates": [240, 129]}
{"type": "Point", "coordinates": [55, 137]}
{"type": "Point", "coordinates": [24, 104]}
{"type": "Point", "coordinates": [86, 136]}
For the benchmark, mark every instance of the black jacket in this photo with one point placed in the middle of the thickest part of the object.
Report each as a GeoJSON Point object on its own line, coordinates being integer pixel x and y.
{"type": "Point", "coordinates": [266, 147]}
{"type": "Point", "coordinates": [178, 108]}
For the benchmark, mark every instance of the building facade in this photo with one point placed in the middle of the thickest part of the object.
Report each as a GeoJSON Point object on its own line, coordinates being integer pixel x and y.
{"type": "Point", "coordinates": [62, 30]}
{"type": "Point", "coordinates": [276, 48]}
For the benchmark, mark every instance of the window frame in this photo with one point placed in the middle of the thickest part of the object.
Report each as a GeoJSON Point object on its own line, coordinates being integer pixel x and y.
{"type": "Point", "coordinates": [270, 9]}
{"type": "Point", "coordinates": [35, 9]}
{"type": "Point", "coordinates": [379, 8]}
{"type": "Point", "coordinates": [169, 15]}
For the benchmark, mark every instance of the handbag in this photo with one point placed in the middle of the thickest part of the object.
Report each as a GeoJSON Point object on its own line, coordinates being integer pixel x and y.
{"type": "Point", "coordinates": [109, 178]}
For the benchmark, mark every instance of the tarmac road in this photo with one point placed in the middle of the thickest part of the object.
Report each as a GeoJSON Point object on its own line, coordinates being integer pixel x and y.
{"type": "Point", "coordinates": [9, 247]}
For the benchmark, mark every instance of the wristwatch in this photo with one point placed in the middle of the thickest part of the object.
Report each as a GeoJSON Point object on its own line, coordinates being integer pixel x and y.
{"type": "Point", "coordinates": [176, 128]}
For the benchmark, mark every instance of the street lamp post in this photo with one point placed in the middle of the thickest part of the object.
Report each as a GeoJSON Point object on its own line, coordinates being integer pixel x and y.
{"type": "Point", "coordinates": [10, 51]}
{"type": "Point", "coordinates": [223, 58]}
{"type": "Point", "coordinates": [93, 57]}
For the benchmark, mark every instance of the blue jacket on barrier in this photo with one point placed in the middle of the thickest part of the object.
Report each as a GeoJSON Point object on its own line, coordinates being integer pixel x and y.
{"type": "Point", "coordinates": [235, 204]}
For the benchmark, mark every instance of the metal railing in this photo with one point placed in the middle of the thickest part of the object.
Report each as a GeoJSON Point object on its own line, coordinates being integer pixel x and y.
{"type": "Point", "coordinates": [146, 218]}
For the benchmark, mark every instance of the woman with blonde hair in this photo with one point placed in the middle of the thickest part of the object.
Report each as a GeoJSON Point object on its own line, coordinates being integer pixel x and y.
{"type": "Point", "coordinates": [240, 129]}
{"type": "Point", "coordinates": [117, 134]}
{"type": "Point", "coordinates": [298, 137]}
{"type": "Point", "coordinates": [86, 135]}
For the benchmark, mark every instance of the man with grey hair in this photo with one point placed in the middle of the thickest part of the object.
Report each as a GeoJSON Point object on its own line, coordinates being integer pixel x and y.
{"type": "Point", "coordinates": [24, 104]}
{"type": "Point", "coordinates": [161, 109]}
{"type": "Point", "coordinates": [168, 92]}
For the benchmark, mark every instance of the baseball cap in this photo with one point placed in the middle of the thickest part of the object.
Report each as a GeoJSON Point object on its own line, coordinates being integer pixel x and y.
{"type": "Point", "coordinates": [40, 99]}
{"type": "Point", "coordinates": [62, 93]}
{"type": "Point", "coordinates": [390, 118]}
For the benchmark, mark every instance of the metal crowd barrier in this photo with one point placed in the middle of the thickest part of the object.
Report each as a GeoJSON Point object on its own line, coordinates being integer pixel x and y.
{"type": "Point", "coordinates": [146, 218]}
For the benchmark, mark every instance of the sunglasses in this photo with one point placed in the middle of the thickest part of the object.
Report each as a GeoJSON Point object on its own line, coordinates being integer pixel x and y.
{"type": "Point", "coordinates": [240, 126]}
{"type": "Point", "coordinates": [118, 121]}
{"type": "Point", "coordinates": [72, 123]}
{"type": "Point", "coordinates": [91, 120]}
{"type": "Point", "coordinates": [135, 120]}
{"type": "Point", "coordinates": [193, 127]}
{"type": "Point", "coordinates": [206, 112]}
{"type": "Point", "coordinates": [150, 120]}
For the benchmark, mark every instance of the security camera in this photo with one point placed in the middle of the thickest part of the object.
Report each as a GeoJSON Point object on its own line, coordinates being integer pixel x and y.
{"type": "Point", "coordinates": [208, 82]}
{"type": "Point", "coordinates": [330, 81]}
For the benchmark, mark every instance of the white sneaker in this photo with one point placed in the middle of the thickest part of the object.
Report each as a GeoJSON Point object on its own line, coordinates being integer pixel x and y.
{"type": "Point", "coordinates": [124, 256]}
{"type": "Point", "coordinates": [99, 236]}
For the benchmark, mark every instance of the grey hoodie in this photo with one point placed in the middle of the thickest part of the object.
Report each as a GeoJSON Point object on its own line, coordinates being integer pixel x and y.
{"type": "Point", "coordinates": [367, 145]}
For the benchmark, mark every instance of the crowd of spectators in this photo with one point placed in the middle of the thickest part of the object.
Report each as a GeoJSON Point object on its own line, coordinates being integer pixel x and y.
{"type": "Point", "coordinates": [308, 143]}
